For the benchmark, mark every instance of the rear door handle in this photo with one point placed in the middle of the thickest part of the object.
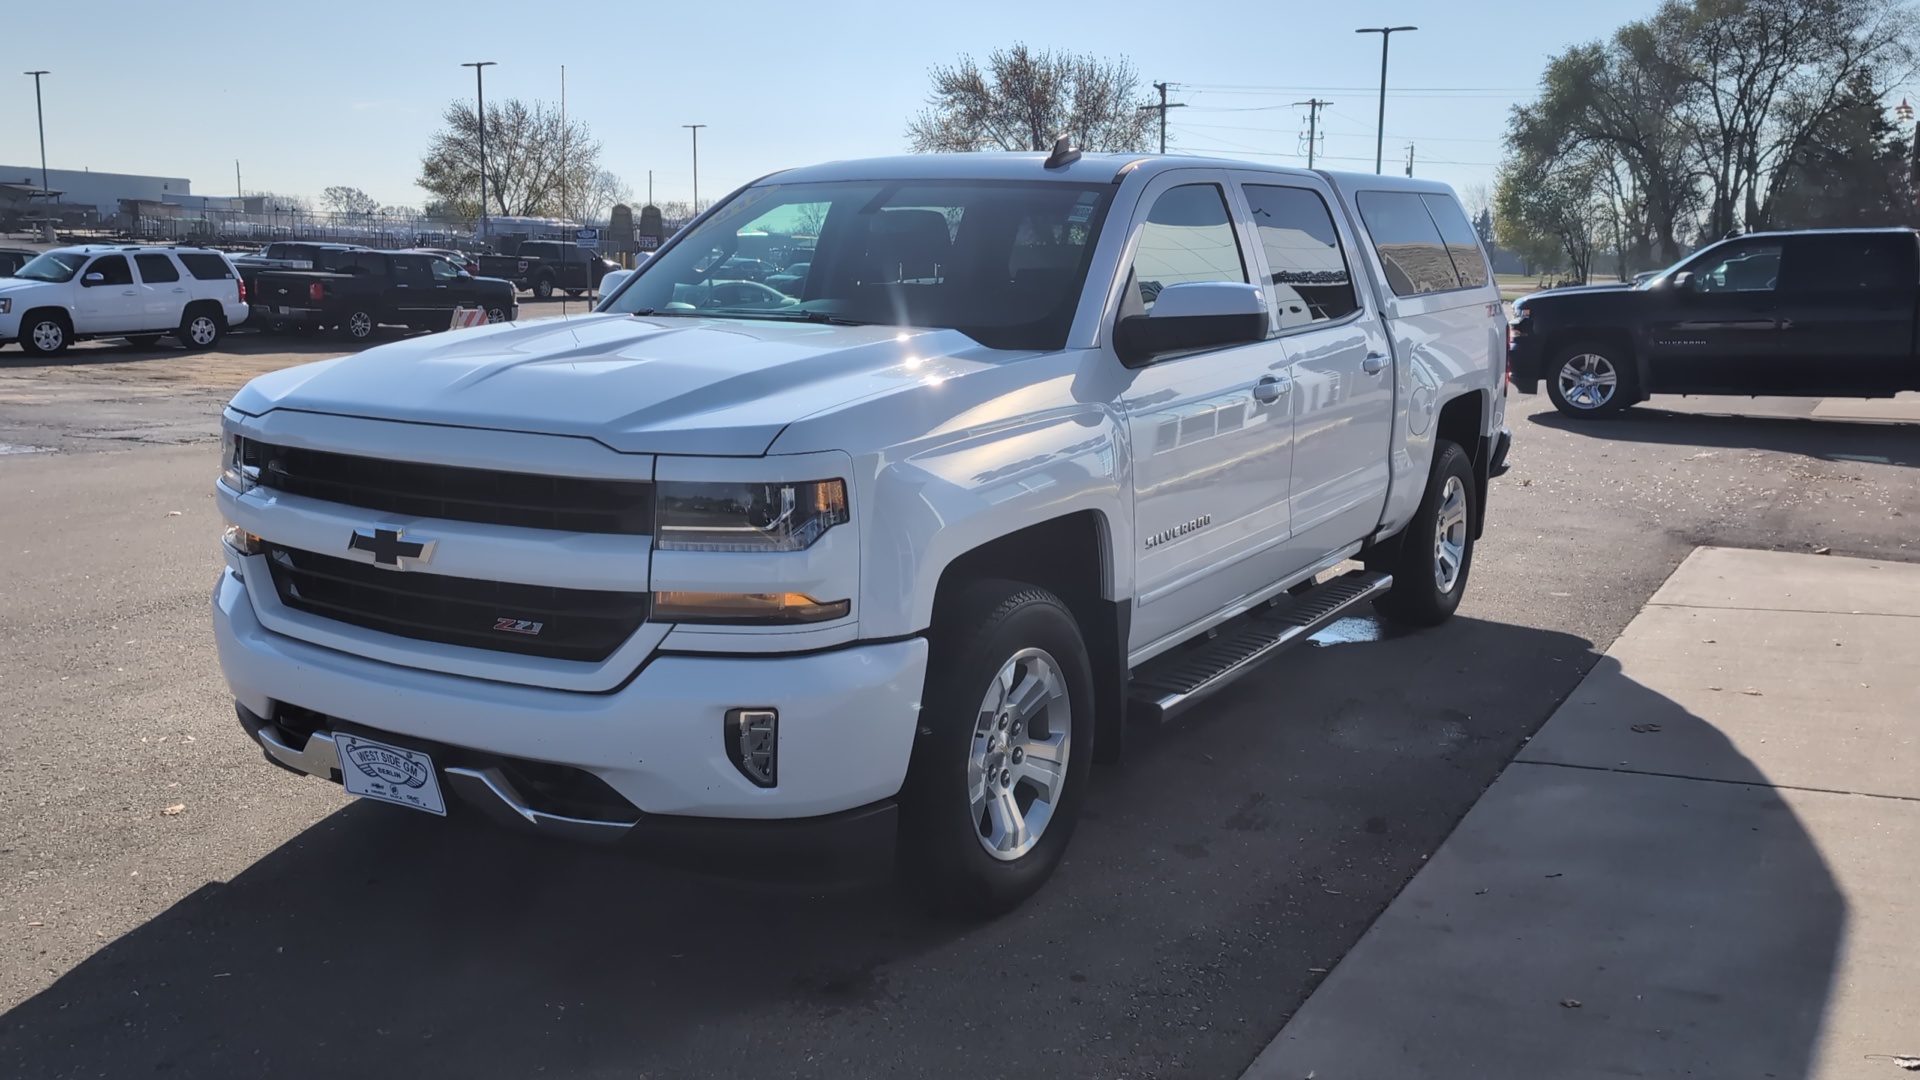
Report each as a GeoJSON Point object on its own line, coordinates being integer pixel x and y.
{"type": "Point", "coordinates": [1374, 363]}
{"type": "Point", "coordinates": [1268, 389]}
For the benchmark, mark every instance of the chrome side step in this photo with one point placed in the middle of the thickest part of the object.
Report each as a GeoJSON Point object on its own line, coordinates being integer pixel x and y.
{"type": "Point", "coordinates": [1168, 685]}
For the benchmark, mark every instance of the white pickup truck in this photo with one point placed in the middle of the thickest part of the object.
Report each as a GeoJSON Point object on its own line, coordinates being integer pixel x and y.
{"type": "Point", "coordinates": [1040, 444]}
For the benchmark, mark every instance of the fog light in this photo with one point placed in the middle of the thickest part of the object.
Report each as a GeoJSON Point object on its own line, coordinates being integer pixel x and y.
{"type": "Point", "coordinates": [242, 541]}
{"type": "Point", "coordinates": [753, 744]}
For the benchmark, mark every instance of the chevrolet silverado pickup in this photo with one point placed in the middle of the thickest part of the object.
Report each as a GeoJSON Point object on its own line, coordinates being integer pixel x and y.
{"type": "Point", "coordinates": [1827, 313]}
{"type": "Point", "coordinates": [1042, 444]}
{"type": "Point", "coordinates": [364, 289]}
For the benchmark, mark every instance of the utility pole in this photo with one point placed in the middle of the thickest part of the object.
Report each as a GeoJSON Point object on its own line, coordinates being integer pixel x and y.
{"type": "Point", "coordinates": [1162, 110]}
{"type": "Point", "coordinates": [695, 128]}
{"type": "Point", "coordinates": [480, 101]}
{"type": "Point", "coordinates": [237, 192]}
{"type": "Point", "coordinates": [45, 188]}
{"type": "Point", "coordinates": [1314, 105]}
{"type": "Point", "coordinates": [1380, 134]}
{"type": "Point", "coordinates": [1409, 159]}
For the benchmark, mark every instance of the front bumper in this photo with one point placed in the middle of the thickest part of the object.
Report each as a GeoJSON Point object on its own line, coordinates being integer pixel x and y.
{"type": "Point", "coordinates": [847, 719]}
{"type": "Point", "coordinates": [1497, 464]}
{"type": "Point", "coordinates": [1523, 363]}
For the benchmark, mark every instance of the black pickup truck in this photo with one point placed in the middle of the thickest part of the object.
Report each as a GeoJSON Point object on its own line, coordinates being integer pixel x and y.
{"type": "Point", "coordinates": [1826, 313]}
{"type": "Point", "coordinates": [366, 289]}
{"type": "Point", "coordinates": [543, 267]}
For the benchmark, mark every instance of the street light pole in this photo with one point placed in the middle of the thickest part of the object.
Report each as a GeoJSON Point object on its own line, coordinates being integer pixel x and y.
{"type": "Point", "coordinates": [695, 128]}
{"type": "Point", "coordinates": [1380, 134]}
{"type": "Point", "coordinates": [480, 99]}
{"type": "Point", "coordinates": [45, 194]}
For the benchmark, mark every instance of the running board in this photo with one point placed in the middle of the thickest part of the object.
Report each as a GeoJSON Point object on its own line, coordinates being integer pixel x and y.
{"type": "Point", "coordinates": [1168, 685]}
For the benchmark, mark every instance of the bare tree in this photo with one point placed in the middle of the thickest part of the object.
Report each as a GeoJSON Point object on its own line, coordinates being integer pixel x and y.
{"type": "Point", "coordinates": [1025, 100]}
{"type": "Point", "coordinates": [348, 200]}
{"type": "Point", "coordinates": [531, 156]}
{"type": "Point", "coordinates": [594, 197]}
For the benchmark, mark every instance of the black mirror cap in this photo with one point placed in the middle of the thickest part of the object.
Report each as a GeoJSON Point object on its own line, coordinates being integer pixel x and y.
{"type": "Point", "coordinates": [1140, 338]}
{"type": "Point", "coordinates": [1684, 281]}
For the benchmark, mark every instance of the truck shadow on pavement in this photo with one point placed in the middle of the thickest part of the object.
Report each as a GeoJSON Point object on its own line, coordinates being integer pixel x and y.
{"type": "Point", "coordinates": [1215, 877]}
{"type": "Point", "coordinates": [1825, 440]}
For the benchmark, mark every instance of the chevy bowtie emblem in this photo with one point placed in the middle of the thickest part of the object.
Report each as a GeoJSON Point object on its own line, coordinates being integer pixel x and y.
{"type": "Point", "coordinates": [389, 548]}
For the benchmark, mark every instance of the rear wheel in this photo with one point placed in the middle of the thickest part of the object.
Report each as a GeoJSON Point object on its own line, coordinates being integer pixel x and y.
{"type": "Point", "coordinates": [1001, 762]}
{"type": "Point", "coordinates": [200, 329]}
{"type": "Point", "coordinates": [1590, 379]}
{"type": "Point", "coordinates": [358, 325]}
{"type": "Point", "coordinates": [1432, 556]}
{"type": "Point", "coordinates": [45, 333]}
{"type": "Point", "coordinates": [543, 288]}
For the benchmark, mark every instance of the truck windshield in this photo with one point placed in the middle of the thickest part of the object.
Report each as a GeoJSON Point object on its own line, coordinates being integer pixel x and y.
{"type": "Point", "coordinates": [1000, 261]}
{"type": "Point", "coordinates": [53, 266]}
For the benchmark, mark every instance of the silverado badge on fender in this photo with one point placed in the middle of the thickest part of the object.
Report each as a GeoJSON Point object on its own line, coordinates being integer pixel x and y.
{"type": "Point", "coordinates": [1179, 531]}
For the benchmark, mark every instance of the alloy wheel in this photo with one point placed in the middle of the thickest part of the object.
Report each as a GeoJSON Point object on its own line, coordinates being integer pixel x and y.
{"type": "Point", "coordinates": [49, 336]}
{"type": "Point", "coordinates": [1450, 535]}
{"type": "Point", "coordinates": [203, 330]}
{"type": "Point", "coordinates": [360, 324]}
{"type": "Point", "coordinates": [1017, 761]}
{"type": "Point", "coordinates": [1588, 381]}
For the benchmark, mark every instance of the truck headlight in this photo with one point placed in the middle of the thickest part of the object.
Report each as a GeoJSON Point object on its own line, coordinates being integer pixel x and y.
{"type": "Point", "coordinates": [240, 466]}
{"type": "Point", "coordinates": [747, 517]}
{"type": "Point", "coordinates": [6, 305]}
{"type": "Point", "coordinates": [746, 609]}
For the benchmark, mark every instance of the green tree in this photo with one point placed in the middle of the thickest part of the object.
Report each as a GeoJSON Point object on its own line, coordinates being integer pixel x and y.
{"type": "Point", "coordinates": [1025, 100]}
{"type": "Point", "coordinates": [1855, 171]}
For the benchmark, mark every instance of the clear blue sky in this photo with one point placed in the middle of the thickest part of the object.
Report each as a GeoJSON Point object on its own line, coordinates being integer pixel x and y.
{"type": "Point", "coordinates": [350, 91]}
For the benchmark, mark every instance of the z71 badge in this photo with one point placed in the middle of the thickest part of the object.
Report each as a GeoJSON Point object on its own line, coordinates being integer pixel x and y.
{"type": "Point", "coordinates": [518, 626]}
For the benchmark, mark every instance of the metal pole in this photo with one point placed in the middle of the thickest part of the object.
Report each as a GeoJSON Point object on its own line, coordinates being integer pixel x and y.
{"type": "Point", "coordinates": [1380, 134]}
{"type": "Point", "coordinates": [1162, 109]}
{"type": "Point", "coordinates": [1314, 105]}
{"type": "Point", "coordinates": [45, 188]}
{"type": "Point", "coordinates": [695, 128]}
{"type": "Point", "coordinates": [480, 98]}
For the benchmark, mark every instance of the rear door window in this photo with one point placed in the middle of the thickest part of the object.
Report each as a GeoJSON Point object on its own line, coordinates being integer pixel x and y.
{"type": "Point", "coordinates": [411, 270]}
{"type": "Point", "coordinates": [1188, 236]}
{"type": "Point", "coordinates": [1463, 244]}
{"type": "Point", "coordinates": [1409, 244]}
{"type": "Point", "coordinates": [156, 269]}
{"type": "Point", "coordinates": [1850, 263]}
{"type": "Point", "coordinates": [1307, 267]}
{"type": "Point", "coordinates": [208, 267]}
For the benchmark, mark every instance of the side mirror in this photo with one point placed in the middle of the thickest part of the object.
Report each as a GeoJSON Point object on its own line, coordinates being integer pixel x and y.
{"type": "Point", "coordinates": [613, 281]}
{"type": "Point", "coordinates": [1194, 315]}
{"type": "Point", "coordinates": [1685, 282]}
{"type": "Point", "coordinates": [464, 274]}
{"type": "Point", "coordinates": [95, 278]}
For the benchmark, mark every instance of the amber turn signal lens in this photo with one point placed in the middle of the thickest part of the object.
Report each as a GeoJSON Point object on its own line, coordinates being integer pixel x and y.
{"type": "Point", "coordinates": [746, 609]}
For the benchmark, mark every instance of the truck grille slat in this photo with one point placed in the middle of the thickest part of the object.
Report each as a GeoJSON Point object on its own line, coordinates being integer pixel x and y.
{"type": "Point", "coordinates": [532, 620]}
{"type": "Point", "coordinates": [456, 493]}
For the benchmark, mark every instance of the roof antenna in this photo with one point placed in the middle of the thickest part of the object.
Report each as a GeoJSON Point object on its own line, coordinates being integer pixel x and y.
{"type": "Point", "coordinates": [1064, 153]}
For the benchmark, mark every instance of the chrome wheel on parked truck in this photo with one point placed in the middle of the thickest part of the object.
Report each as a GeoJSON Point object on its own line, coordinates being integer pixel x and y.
{"type": "Point", "coordinates": [1433, 555]}
{"type": "Point", "coordinates": [1000, 763]}
{"type": "Point", "coordinates": [1589, 380]}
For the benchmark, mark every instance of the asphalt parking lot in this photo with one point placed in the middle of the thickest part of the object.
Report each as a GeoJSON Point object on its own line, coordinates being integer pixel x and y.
{"type": "Point", "coordinates": [169, 903]}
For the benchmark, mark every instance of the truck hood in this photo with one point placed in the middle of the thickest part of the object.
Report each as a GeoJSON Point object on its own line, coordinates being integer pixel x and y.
{"type": "Point", "coordinates": [637, 385]}
{"type": "Point", "coordinates": [13, 286]}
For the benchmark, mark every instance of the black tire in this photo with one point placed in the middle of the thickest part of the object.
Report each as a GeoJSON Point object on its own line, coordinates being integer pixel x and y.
{"type": "Point", "coordinates": [144, 341]}
{"type": "Point", "coordinates": [943, 843]}
{"type": "Point", "coordinates": [1609, 367]}
{"type": "Point", "coordinates": [497, 315]}
{"type": "Point", "coordinates": [1414, 557]}
{"type": "Point", "coordinates": [359, 325]}
{"type": "Point", "coordinates": [45, 333]}
{"type": "Point", "coordinates": [543, 288]}
{"type": "Point", "coordinates": [201, 328]}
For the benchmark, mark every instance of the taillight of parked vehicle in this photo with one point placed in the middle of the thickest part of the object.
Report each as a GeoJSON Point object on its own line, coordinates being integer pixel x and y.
{"type": "Point", "coordinates": [316, 292]}
{"type": "Point", "coordinates": [243, 289]}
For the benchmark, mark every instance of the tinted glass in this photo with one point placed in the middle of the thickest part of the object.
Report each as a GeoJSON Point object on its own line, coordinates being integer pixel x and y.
{"type": "Point", "coordinates": [444, 271]}
{"type": "Point", "coordinates": [1000, 261]}
{"type": "Point", "coordinates": [207, 267]}
{"type": "Point", "coordinates": [53, 266]}
{"type": "Point", "coordinates": [1463, 244]}
{"type": "Point", "coordinates": [113, 267]}
{"type": "Point", "coordinates": [411, 269]}
{"type": "Point", "coordinates": [1408, 242]}
{"type": "Point", "coordinates": [1188, 236]}
{"type": "Point", "coordinates": [1745, 268]}
{"type": "Point", "coordinates": [1308, 269]}
{"type": "Point", "coordinates": [155, 269]}
{"type": "Point", "coordinates": [1850, 263]}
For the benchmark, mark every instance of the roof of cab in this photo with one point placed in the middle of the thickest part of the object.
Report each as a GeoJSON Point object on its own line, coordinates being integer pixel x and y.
{"type": "Point", "coordinates": [1089, 168]}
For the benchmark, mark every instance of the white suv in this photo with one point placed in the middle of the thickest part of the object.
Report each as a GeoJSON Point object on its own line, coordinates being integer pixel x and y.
{"type": "Point", "coordinates": [138, 293]}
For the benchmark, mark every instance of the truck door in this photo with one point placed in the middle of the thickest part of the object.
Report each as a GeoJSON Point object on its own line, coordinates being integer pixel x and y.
{"type": "Point", "coordinates": [412, 292]}
{"type": "Point", "coordinates": [112, 302]}
{"type": "Point", "coordinates": [1720, 331]}
{"type": "Point", "coordinates": [1845, 309]}
{"type": "Point", "coordinates": [450, 290]}
{"type": "Point", "coordinates": [1211, 431]}
{"type": "Point", "coordinates": [163, 296]}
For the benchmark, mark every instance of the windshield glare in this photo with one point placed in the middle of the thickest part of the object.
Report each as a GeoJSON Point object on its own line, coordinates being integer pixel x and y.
{"type": "Point", "coordinates": [53, 266]}
{"type": "Point", "coordinates": [1001, 261]}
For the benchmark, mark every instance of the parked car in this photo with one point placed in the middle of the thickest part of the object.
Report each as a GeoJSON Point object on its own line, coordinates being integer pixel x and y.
{"type": "Point", "coordinates": [135, 292]}
{"type": "Point", "coordinates": [12, 259]}
{"type": "Point", "coordinates": [1826, 313]}
{"type": "Point", "coordinates": [791, 280]}
{"type": "Point", "coordinates": [738, 269]}
{"type": "Point", "coordinates": [366, 289]}
{"type": "Point", "coordinates": [557, 265]}
{"type": "Point", "coordinates": [895, 563]}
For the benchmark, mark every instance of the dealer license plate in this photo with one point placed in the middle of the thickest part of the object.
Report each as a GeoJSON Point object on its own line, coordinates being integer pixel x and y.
{"type": "Point", "coordinates": [374, 770]}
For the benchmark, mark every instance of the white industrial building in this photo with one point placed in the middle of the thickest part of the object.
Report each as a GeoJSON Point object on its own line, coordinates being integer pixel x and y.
{"type": "Point", "coordinates": [102, 190]}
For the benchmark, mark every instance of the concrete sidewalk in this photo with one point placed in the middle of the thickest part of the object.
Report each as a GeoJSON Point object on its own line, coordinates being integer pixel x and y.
{"type": "Point", "coordinates": [1705, 864]}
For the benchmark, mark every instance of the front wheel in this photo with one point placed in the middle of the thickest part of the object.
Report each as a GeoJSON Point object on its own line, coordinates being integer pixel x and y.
{"type": "Point", "coordinates": [1590, 380]}
{"type": "Point", "coordinates": [45, 333]}
{"type": "Point", "coordinates": [1000, 763]}
{"type": "Point", "coordinates": [497, 315]}
{"type": "Point", "coordinates": [1432, 556]}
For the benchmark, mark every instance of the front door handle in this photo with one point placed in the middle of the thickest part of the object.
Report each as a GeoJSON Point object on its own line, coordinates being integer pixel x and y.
{"type": "Point", "coordinates": [1268, 389]}
{"type": "Point", "coordinates": [1374, 363]}
{"type": "Point", "coordinates": [179, 290]}
{"type": "Point", "coordinates": [130, 292]}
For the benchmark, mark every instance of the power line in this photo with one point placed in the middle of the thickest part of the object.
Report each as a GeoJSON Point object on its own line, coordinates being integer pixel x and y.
{"type": "Point", "coordinates": [1314, 106]}
{"type": "Point", "coordinates": [1162, 110]}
